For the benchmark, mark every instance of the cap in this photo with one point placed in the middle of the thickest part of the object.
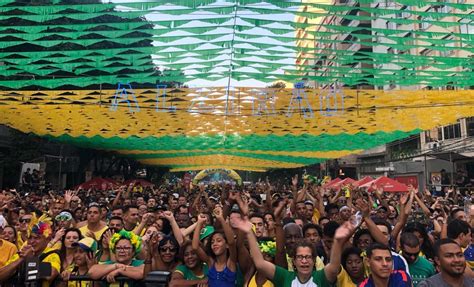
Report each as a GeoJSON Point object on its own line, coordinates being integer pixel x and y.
{"type": "Point", "coordinates": [63, 216]}
{"type": "Point", "coordinates": [309, 202]}
{"type": "Point", "coordinates": [87, 244]}
{"type": "Point", "coordinates": [206, 232]}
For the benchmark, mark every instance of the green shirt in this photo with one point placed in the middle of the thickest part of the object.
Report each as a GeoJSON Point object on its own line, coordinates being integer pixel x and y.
{"type": "Point", "coordinates": [285, 278]}
{"type": "Point", "coordinates": [420, 270]}
{"type": "Point", "coordinates": [189, 275]}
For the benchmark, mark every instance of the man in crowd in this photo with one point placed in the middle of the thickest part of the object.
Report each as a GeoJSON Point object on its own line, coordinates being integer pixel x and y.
{"type": "Point", "coordinates": [420, 268]}
{"type": "Point", "coordinates": [452, 264]}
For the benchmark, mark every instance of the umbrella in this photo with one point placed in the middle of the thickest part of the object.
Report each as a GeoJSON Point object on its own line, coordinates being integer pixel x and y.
{"type": "Point", "coordinates": [387, 184]}
{"type": "Point", "coordinates": [340, 184]}
{"type": "Point", "coordinates": [362, 181]}
{"type": "Point", "coordinates": [98, 182]}
{"type": "Point", "coordinates": [140, 181]}
{"type": "Point", "coordinates": [330, 183]}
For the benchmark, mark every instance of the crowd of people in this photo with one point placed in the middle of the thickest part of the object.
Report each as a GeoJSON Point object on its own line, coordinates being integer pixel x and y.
{"type": "Point", "coordinates": [263, 234]}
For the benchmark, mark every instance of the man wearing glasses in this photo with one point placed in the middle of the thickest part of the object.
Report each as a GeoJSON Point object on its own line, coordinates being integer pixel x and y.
{"type": "Point", "coordinates": [24, 221]}
{"type": "Point", "coordinates": [420, 268]}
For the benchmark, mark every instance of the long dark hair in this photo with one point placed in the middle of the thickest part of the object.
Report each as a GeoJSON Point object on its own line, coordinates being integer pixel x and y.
{"type": "Point", "coordinates": [171, 240]}
{"type": "Point", "coordinates": [209, 244]}
{"type": "Point", "coordinates": [62, 251]}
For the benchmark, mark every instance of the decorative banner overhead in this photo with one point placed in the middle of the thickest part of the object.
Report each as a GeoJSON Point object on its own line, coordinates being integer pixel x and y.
{"type": "Point", "coordinates": [344, 77]}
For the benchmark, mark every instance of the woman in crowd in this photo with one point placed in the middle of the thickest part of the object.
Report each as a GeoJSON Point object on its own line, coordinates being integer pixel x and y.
{"type": "Point", "coordinates": [166, 258]}
{"type": "Point", "coordinates": [125, 246]}
{"type": "Point", "coordinates": [84, 259]}
{"type": "Point", "coordinates": [353, 264]}
{"type": "Point", "coordinates": [193, 272]}
{"type": "Point", "coordinates": [68, 242]}
{"type": "Point", "coordinates": [221, 255]}
{"type": "Point", "coordinates": [9, 234]}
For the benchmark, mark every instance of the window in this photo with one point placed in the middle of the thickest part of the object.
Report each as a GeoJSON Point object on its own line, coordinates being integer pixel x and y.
{"type": "Point", "coordinates": [470, 126]}
{"type": "Point", "coordinates": [391, 25]}
{"type": "Point", "coordinates": [432, 135]}
{"type": "Point", "coordinates": [452, 131]}
{"type": "Point", "coordinates": [450, 44]}
{"type": "Point", "coordinates": [426, 52]}
{"type": "Point", "coordinates": [423, 24]}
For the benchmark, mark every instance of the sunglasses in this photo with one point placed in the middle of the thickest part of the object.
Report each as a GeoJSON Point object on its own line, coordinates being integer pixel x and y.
{"type": "Point", "coordinates": [408, 254]}
{"type": "Point", "coordinates": [25, 220]}
{"type": "Point", "coordinates": [169, 249]}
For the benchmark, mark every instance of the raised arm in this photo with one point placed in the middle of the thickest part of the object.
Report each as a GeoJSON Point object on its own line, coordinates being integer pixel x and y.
{"type": "Point", "coordinates": [264, 267]}
{"type": "Point", "coordinates": [373, 229]}
{"type": "Point", "coordinates": [174, 227]}
{"type": "Point", "coordinates": [280, 256]}
{"type": "Point", "coordinates": [196, 244]}
{"type": "Point", "coordinates": [343, 233]}
{"type": "Point", "coordinates": [229, 236]}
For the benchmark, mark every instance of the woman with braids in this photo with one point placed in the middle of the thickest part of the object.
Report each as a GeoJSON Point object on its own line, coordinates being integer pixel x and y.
{"type": "Point", "coordinates": [125, 245]}
{"type": "Point", "coordinates": [221, 255]}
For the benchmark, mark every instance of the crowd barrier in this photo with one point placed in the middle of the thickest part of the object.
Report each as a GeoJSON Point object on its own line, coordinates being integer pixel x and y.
{"type": "Point", "coordinates": [154, 278]}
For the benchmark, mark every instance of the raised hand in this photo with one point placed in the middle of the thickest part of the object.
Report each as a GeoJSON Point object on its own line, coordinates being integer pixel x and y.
{"type": "Point", "coordinates": [201, 219]}
{"type": "Point", "coordinates": [279, 210]}
{"type": "Point", "coordinates": [59, 234]}
{"type": "Point", "coordinates": [168, 215]}
{"type": "Point", "coordinates": [218, 212]}
{"type": "Point", "coordinates": [363, 206]}
{"type": "Point", "coordinates": [242, 224]}
{"type": "Point", "coordinates": [68, 195]}
{"type": "Point", "coordinates": [344, 231]}
{"type": "Point", "coordinates": [106, 239]}
{"type": "Point", "coordinates": [294, 180]}
{"type": "Point", "coordinates": [90, 260]}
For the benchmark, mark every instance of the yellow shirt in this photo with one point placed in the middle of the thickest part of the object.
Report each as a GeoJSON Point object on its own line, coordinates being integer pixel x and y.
{"type": "Point", "coordinates": [52, 258]}
{"type": "Point", "coordinates": [7, 250]}
{"type": "Point", "coordinates": [253, 282]}
{"type": "Point", "coordinates": [316, 216]}
{"type": "Point", "coordinates": [98, 234]}
{"type": "Point", "coordinates": [344, 280]}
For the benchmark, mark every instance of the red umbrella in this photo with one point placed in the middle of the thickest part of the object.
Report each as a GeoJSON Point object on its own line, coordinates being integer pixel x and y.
{"type": "Point", "coordinates": [340, 184]}
{"type": "Point", "coordinates": [362, 181]}
{"type": "Point", "coordinates": [98, 182]}
{"type": "Point", "coordinates": [387, 184]}
{"type": "Point", "coordinates": [140, 181]}
{"type": "Point", "coordinates": [330, 183]}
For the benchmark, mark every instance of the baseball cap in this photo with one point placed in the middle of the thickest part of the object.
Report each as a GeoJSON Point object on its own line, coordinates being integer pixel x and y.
{"type": "Point", "coordinates": [87, 244]}
{"type": "Point", "coordinates": [206, 232]}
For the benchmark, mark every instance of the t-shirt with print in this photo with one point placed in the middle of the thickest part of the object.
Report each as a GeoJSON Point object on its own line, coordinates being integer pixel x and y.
{"type": "Point", "coordinates": [285, 278]}
{"type": "Point", "coordinates": [420, 270]}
